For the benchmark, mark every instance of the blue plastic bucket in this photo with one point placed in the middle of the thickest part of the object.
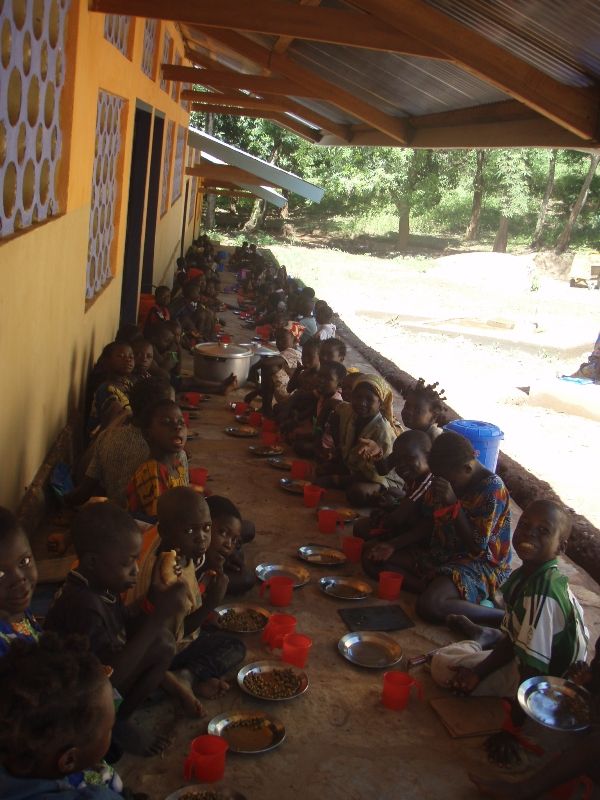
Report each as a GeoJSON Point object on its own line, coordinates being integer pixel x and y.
{"type": "Point", "coordinates": [484, 437]}
{"type": "Point", "coordinates": [222, 255]}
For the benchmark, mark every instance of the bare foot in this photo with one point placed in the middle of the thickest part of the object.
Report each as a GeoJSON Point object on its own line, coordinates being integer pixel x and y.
{"type": "Point", "coordinates": [211, 688]}
{"type": "Point", "coordinates": [189, 702]}
{"type": "Point", "coordinates": [486, 637]}
{"type": "Point", "coordinates": [137, 741]}
{"type": "Point", "coordinates": [500, 789]}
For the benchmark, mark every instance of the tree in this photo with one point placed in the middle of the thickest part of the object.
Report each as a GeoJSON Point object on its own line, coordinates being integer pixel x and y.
{"type": "Point", "coordinates": [509, 172]}
{"type": "Point", "coordinates": [539, 227]}
{"type": "Point", "coordinates": [472, 231]}
{"type": "Point", "coordinates": [565, 236]}
{"type": "Point", "coordinates": [211, 199]}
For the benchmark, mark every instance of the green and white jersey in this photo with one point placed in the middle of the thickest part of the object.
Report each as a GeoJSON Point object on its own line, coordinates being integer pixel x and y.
{"type": "Point", "coordinates": [544, 620]}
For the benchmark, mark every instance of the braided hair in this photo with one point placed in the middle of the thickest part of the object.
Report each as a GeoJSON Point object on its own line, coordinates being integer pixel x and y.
{"type": "Point", "coordinates": [430, 393]}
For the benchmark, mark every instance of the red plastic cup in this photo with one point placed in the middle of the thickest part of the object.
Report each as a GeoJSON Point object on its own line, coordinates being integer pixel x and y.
{"type": "Point", "coordinates": [390, 584]}
{"type": "Point", "coordinates": [270, 425]}
{"type": "Point", "coordinates": [186, 417]}
{"type": "Point", "coordinates": [269, 438]}
{"type": "Point", "coordinates": [396, 689]}
{"type": "Point", "coordinates": [295, 648]}
{"type": "Point", "coordinates": [352, 547]}
{"type": "Point", "coordinates": [300, 470]}
{"type": "Point", "coordinates": [198, 476]}
{"type": "Point", "coordinates": [312, 495]}
{"type": "Point", "coordinates": [241, 408]}
{"type": "Point", "coordinates": [264, 331]}
{"type": "Point", "coordinates": [206, 759]}
{"type": "Point", "coordinates": [192, 398]}
{"type": "Point", "coordinates": [280, 588]}
{"type": "Point", "coordinates": [278, 626]}
{"type": "Point", "coordinates": [329, 520]}
{"type": "Point", "coordinates": [255, 419]}
{"type": "Point", "coordinates": [225, 338]}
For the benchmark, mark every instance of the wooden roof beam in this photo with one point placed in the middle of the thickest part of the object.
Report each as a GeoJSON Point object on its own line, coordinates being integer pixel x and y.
{"type": "Point", "coordinates": [222, 79]}
{"type": "Point", "coordinates": [394, 127]}
{"type": "Point", "coordinates": [271, 17]}
{"type": "Point", "coordinates": [239, 101]}
{"type": "Point", "coordinates": [223, 172]}
{"type": "Point", "coordinates": [575, 109]}
{"type": "Point", "coordinates": [227, 192]}
{"type": "Point", "coordinates": [283, 42]}
{"type": "Point", "coordinates": [279, 117]}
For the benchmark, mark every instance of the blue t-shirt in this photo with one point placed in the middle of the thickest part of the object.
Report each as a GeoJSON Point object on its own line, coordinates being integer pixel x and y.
{"type": "Point", "coordinates": [26, 629]}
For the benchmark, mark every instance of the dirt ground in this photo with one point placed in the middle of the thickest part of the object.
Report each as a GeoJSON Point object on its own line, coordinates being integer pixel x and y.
{"type": "Point", "coordinates": [341, 744]}
{"type": "Point", "coordinates": [472, 323]}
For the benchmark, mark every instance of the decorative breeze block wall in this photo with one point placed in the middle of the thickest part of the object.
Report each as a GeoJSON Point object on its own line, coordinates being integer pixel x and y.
{"type": "Point", "coordinates": [175, 84]}
{"type": "Point", "coordinates": [166, 171]}
{"type": "Point", "coordinates": [178, 165]}
{"type": "Point", "coordinates": [166, 56]}
{"type": "Point", "coordinates": [31, 82]}
{"type": "Point", "coordinates": [150, 35]}
{"type": "Point", "coordinates": [116, 31]}
{"type": "Point", "coordinates": [105, 182]}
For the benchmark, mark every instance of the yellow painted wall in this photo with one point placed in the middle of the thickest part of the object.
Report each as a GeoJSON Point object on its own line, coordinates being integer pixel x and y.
{"type": "Point", "coordinates": [48, 337]}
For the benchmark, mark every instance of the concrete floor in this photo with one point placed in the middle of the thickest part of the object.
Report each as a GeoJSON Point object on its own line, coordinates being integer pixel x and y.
{"type": "Point", "coordinates": [341, 743]}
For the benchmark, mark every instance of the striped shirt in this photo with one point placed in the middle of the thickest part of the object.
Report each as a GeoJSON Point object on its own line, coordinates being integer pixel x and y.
{"type": "Point", "coordinates": [544, 620]}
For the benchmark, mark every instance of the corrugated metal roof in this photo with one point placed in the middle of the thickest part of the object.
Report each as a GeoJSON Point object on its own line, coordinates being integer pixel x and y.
{"type": "Point", "coordinates": [559, 37]}
{"type": "Point", "coordinates": [398, 85]}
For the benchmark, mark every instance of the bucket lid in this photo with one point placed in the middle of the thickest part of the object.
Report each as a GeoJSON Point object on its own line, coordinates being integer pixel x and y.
{"type": "Point", "coordinates": [474, 429]}
{"type": "Point", "coordinates": [221, 350]}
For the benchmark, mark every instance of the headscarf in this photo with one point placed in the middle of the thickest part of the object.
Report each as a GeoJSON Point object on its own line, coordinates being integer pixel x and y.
{"type": "Point", "coordinates": [384, 392]}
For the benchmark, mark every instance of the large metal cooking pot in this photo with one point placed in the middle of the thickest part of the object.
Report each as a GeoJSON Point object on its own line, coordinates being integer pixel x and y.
{"type": "Point", "coordinates": [259, 350]}
{"type": "Point", "coordinates": [214, 361]}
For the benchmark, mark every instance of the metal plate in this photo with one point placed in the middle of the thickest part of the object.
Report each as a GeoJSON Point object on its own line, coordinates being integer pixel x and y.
{"type": "Point", "coordinates": [263, 451]}
{"type": "Point", "coordinates": [321, 556]}
{"type": "Point", "coordinates": [555, 703]}
{"type": "Point", "coordinates": [280, 463]}
{"type": "Point", "coordinates": [345, 588]}
{"type": "Point", "coordinates": [239, 608]}
{"type": "Point", "coordinates": [204, 792]}
{"type": "Point", "coordinates": [242, 418]}
{"type": "Point", "coordinates": [345, 514]}
{"type": "Point", "coordinates": [293, 486]}
{"type": "Point", "coordinates": [243, 432]}
{"type": "Point", "coordinates": [268, 733]}
{"type": "Point", "coordinates": [370, 649]}
{"type": "Point", "coordinates": [265, 667]}
{"type": "Point", "coordinates": [300, 575]}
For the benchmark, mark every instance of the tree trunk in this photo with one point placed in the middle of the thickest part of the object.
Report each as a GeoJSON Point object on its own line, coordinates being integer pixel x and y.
{"type": "Point", "coordinates": [565, 237]}
{"type": "Point", "coordinates": [287, 229]}
{"type": "Point", "coordinates": [257, 217]}
{"type": "Point", "coordinates": [501, 239]}
{"type": "Point", "coordinates": [539, 228]}
{"type": "Point", "coordinates": [472, 231]}
{"type": "Point", "coordinates": [403, 207]}
{"type": "Point", "coordinates": [211, 199]}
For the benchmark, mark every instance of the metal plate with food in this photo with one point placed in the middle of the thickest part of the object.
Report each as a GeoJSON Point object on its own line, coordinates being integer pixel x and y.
{"type": "Point", "coordinates": [346, 515]}
{"type": "Point", "coordinates": [243, 432]}
{"type": "Point", "coordinates": [263, 451]}
{"type": "Point", "coordinates": [272, 680]}
{"type": "Point", "coordinates": [320, 555]}
{"type": "Point", "coordinates": [293, 486]}
{"type": "Point", "coordinates": [345, 588]}
{"type": "Point", "coordinates": [248, 731]}
{"type": "Point", "coordinates": [199, 792]}
{"type": "Point", "coordinates": [242, 617]}
{"type": "Point", "coordinates": [370, 649]}
{"type": "Point", "coordinates": [284, 464]}
{"type": "Point", "coordinates": [243, 419]}
{"type": "Point", "coordinates": [555, 703]}
{"type": "Point", "coordinates": [300, 575]}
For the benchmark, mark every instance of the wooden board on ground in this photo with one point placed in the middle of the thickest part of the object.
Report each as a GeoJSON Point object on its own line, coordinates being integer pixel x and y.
{"type": "Point", "coordinates": [464, 717]}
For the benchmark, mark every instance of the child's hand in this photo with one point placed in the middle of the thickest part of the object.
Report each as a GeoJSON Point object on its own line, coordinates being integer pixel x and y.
{"type": "Point", "coordinates": [465, 680]}
{"type": "Point", "coordinates": [580, 673]}
{"type": "Point", "coordinates": [442, 492]}
{"type": "Point", "coordinates": [171, 602]}
{"type": "Point", "coordinates": [503, 749]}
{"type": "Point", "coordinates": [216, 590]}
{"type": "Point", "coordinates": [58, 543]}
{"type": "Point", "coordinates": [369, 449]}
{"type": "Point", "coordinates": [382, 551]}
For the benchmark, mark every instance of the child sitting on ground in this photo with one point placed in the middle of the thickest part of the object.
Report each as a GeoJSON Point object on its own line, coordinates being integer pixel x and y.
{"type": "Point", "coordinates": [332, 350]}
{"type": "Point", "coordinates": [111, 398]}
{"type": "Point", "coordinates": [56, 716]}
{"type": "Point", "coordinates": [306, 319]}
{"type": "Point", "coordinates": [166, 355]}
{"type": "Point", "coordinates": [369, 415]}
{"type": "Point", "coordinates": [275, 372]}
{"type": "Point", "coordinates": [304, 376]}
{"type": "Point", "coordinates": [225, 552]}
{"type": "Point", "coordinates": [319, 442]}
{"type": "Point", "coordinates": [143, 354]}
{"type": "Point", "coordinates": [137, 645]}
{"type": "Point", "coordinates": [424, 408]}
{"type": "Point", "coordinates": [542, 631]}
{"type": "Point", "coordinates": [159, 312]}
{"type": "Point", "coordinates": [409, 460]}
{"type": "Point", "coordinates": [295, 413]}
{"type": "Point", "coordinates": [18, 578]}
{"type": "Point", "coordinates": [458, 554]}
{"type": "Point", "coordinates": [324, 318]}
{"type": "Point", "coordinates": [165, 431]}
{"type": "Point", "coordinates": [184, 525]}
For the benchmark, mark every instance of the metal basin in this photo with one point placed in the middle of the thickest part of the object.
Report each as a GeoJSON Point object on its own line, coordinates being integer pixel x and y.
{"type": "Point", "coordinates": [214, 361]}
